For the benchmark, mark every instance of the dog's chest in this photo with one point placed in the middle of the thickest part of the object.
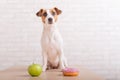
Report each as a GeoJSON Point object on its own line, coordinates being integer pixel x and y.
{"type": "Point", "coordinates": [51, 42]}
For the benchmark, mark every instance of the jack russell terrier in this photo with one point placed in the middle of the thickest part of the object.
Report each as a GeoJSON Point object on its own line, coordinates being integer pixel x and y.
{"type": "Point", "coordinates": [51, 41]}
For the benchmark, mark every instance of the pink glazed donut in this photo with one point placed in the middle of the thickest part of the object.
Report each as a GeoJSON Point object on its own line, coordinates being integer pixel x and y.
{"type": "Point", "coordinates": [70, 72]}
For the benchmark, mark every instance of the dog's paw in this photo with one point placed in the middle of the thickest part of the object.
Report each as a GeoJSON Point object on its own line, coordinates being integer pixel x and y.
{"type": "Point", "coordinates": [44, 69]}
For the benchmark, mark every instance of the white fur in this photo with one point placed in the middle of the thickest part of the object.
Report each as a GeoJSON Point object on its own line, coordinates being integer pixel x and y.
{"type": "Point", "coordinates": [51, 43]}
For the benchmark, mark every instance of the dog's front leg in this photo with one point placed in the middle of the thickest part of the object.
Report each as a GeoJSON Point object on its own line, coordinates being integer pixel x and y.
{"type": "Point", "coordinates": [61, 59]}
{"type": "Point", "coordinates": [44, 61]}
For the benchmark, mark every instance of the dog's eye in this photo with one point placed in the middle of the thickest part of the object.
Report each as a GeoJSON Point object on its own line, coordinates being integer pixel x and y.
{"type": "Point", "coordinates": [53, 13]}
{"type": "Point", "coordinates": [45, 14]}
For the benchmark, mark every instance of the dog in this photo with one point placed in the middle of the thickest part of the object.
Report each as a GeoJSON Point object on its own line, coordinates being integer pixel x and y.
{"type": "Point", "coordinates": [51, 40]}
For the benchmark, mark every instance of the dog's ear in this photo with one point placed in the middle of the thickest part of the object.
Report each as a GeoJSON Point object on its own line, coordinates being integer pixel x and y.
{"type": "Point", "coordinates": [39, 13]}
{"type": "Point", "coordinates": [58, 11]}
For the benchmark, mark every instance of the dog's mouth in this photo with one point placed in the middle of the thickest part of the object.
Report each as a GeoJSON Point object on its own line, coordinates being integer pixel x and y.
{"type": "Point", "coordinates": [50, 22]}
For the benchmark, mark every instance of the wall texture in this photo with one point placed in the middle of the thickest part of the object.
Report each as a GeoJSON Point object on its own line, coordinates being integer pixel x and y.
{"type": "Point", "coordinates": [90, 29]}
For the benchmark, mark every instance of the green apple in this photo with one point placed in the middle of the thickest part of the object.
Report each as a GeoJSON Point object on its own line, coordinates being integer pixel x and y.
{"type": "Point", "coordinates": [35, 70]}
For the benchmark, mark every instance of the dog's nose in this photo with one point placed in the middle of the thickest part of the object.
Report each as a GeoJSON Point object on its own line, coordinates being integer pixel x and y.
{"type": "Point", "coordinates": [50, 19]}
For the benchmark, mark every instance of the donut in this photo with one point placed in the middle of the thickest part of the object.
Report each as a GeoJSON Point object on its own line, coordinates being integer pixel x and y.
{"type": "Point", "coordinates": [70, 72]}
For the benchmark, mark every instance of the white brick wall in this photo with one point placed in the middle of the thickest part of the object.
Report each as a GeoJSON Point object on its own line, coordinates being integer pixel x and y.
{"type": "Point", "coordinates": [90, 29]}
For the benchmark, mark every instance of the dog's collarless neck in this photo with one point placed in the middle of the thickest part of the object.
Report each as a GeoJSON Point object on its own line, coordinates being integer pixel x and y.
{"type": "Point", "coordinates": [50, 28]}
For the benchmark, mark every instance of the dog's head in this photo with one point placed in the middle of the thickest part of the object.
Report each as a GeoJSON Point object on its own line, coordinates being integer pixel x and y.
{"type": "Point", "coordinates": [49, 16]}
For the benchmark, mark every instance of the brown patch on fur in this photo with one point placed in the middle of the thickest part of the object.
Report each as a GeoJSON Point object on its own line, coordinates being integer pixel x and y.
{"type": "Point", "coordinates": [40, 14]}
{"type": "Point", "coordinates": [58, 11]}
{"type": "Point", "coordinates": [54, 13]}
